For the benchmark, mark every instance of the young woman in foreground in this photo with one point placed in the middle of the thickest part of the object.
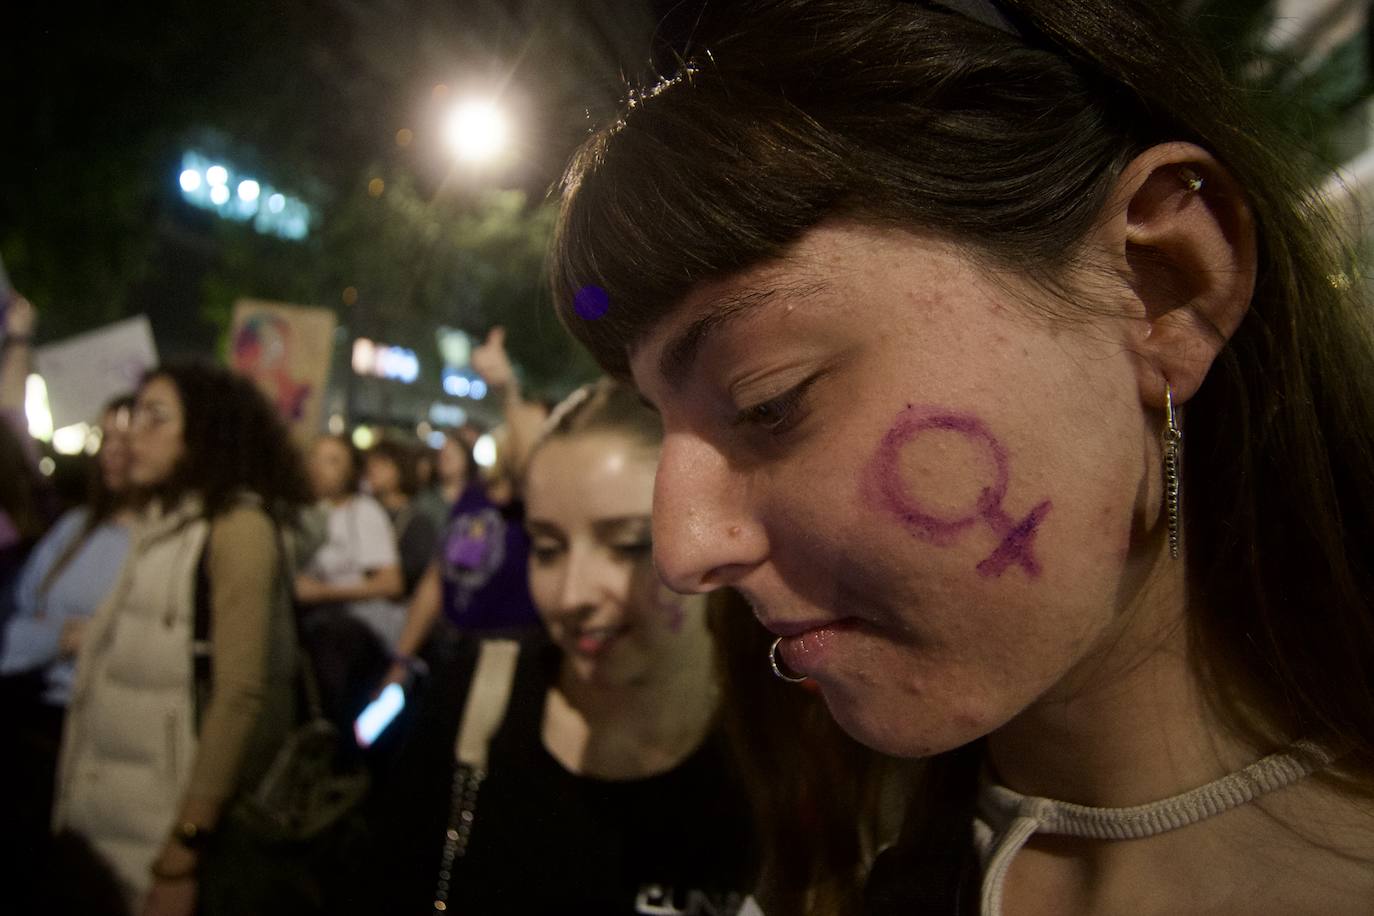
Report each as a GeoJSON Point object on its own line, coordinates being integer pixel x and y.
{"type": "Point", "coordinates": [1004, 371]}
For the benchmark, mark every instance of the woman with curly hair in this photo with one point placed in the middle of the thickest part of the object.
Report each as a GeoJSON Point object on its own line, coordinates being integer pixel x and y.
{"type": "Point", "coordinates": [148, 764]}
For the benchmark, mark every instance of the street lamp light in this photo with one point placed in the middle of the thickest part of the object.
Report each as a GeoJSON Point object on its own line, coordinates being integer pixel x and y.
{"type": "Point", "coordinates": [476, 131]}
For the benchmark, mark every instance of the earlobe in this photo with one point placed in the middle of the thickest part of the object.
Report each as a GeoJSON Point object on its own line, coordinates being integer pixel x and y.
{"type": "Point", "coordinates": [1184, 238]}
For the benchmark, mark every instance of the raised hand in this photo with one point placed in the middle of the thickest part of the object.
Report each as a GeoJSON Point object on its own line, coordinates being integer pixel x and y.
{"type": "Point", "coordinates": [491, 361]}
{"type": "Point", "coordinates": [20, 318]}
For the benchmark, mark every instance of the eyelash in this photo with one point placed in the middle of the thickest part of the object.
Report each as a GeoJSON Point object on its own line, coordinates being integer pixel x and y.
{"type": "Point", "coordinates": [784, 409]}
{"type": "Point", "coordinates": [634, 551]}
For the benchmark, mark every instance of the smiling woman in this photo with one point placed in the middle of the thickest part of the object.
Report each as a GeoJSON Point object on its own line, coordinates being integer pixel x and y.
{"type": "Point", "coordinates": [602, 767]}
{"type": "Point", "coordinates": [929, 297]}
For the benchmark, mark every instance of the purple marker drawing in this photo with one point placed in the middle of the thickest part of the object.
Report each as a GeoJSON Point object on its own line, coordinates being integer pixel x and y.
{"type": "Point", "coordinates": [884, 487]}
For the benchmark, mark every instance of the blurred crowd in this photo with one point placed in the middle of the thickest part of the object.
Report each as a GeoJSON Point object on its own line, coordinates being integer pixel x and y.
{"type": "Point", "coordinates": [225, 596]}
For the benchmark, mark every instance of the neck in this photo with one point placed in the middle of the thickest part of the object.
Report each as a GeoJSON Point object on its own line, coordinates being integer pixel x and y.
{"type": "Point", "coordinates": [1130, 724]}
{"type": "Point", "coordinates": [638, 729]}
{"type": "Point", "coordinates": [395, 500]}
{"type": "Point", "coordinates": [451, 490]}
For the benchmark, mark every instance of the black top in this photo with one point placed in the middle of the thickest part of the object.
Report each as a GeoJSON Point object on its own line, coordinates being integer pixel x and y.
{"type": "Point", "coordinates": [547, 841]}
{"type": "Point", "coordinates": [933, 868]}
{"type": "Point", "coordinates": [904, 881]}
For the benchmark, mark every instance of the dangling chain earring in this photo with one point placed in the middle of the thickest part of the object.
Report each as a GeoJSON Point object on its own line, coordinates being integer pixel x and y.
{"type": "Point", "coordinates": [777, 667]}
{"type": "Point", "coordinates": [1173, 449]}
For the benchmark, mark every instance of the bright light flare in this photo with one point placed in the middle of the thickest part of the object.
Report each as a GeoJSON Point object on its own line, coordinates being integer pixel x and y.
{"type": "Point", "coordinates": [190, 181]}
{"type": "Point", "coordinates": [219, 195]}
{"type": "Point", "coordinates": [70, 440]}
{"type": "Point", "coordinates": [484, 450]}
{"type": "Point", "coordinates": [476, 131]}
{"type": "Point", "coordinates": [36, 408]}
{"type": "Point", "coordinates": [249, 190]}
{"type": "Point", "coordinates": [216, 175]}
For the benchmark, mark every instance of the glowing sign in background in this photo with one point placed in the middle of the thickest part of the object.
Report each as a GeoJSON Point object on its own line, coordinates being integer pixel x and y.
{"type": "Point", "coordinates": [215, 186]}
{"type": "Point", "coordinates": [461, 384]}
{"type": "Point", "coordinates": [395, 363]}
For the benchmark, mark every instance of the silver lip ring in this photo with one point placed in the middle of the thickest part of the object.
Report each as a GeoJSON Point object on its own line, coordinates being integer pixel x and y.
{"type": "Point", "coordinates": [777, 669]}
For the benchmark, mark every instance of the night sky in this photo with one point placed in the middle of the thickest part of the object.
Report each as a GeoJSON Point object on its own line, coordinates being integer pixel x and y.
{"type": "Point", "coordinates": [101, 100]}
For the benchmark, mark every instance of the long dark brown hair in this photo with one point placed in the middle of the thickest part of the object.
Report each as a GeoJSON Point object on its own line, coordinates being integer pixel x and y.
{"type": "Point", "coordinates": [909, 115]}
{"type": "Point", "coordinates": [235, 442]}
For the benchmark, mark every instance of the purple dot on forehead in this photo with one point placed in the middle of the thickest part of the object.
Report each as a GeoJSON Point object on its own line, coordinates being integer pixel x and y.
{"type": "Point", "coordinates": [591, 302]}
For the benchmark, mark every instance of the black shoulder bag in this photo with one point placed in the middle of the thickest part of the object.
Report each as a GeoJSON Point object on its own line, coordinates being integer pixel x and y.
{"type": "Point", "coordinates": [280, 845]}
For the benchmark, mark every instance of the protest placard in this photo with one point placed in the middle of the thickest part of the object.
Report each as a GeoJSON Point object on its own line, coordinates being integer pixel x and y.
{"type": "Point", "coordinates": [287, 350]}
{"type": "Point", "coordinates": [84, 372]}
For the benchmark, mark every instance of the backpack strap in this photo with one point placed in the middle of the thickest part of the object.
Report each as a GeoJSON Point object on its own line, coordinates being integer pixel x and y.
{"type": "Point", "coordinates": [488, 697]}
{"type": "Point", "coordinates": [202, 658]}
{"type": "Point", "coordinates": [201, 663]}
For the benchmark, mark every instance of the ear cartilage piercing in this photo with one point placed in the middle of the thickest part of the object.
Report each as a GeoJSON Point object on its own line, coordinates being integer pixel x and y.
{"type": "Point", "coordinates": [1192, 180]}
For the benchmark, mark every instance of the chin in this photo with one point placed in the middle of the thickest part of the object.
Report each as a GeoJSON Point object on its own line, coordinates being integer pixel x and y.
{"type": "Point", "coordinates": [900, 726]}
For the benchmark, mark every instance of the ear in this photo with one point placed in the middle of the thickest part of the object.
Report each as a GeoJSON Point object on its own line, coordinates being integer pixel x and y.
{"type": "Point", "coordinates": [1181, 234]}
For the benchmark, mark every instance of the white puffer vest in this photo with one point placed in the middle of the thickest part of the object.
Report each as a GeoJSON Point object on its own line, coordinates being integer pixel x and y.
{"type": "Point", "coordinates": [130, 735]}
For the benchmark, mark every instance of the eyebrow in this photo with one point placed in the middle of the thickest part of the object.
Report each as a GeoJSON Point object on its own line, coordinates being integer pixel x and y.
{"type": "Point", "coordinates": [682, 351]}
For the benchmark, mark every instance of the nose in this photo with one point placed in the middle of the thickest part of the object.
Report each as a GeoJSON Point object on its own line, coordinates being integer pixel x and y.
{"type": "Point", "coordinates": [590, 580]}
{"type": "Point", "coordinates": [705, 535]}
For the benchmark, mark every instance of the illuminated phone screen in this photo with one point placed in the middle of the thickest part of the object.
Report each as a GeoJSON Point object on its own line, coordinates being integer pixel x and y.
{"type": "Point", "coordinates": [373, 720]}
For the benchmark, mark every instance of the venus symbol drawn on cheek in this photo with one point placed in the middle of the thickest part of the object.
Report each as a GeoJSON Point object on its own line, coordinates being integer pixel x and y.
{"type": "Point", "coordinates": [886, 487]}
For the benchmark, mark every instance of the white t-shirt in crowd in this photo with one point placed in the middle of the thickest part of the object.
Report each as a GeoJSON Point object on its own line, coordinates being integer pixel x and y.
{"type": "Point", "coordinates": [360, 539]}
{"type": "Point", "coordinates": [750, 908]}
